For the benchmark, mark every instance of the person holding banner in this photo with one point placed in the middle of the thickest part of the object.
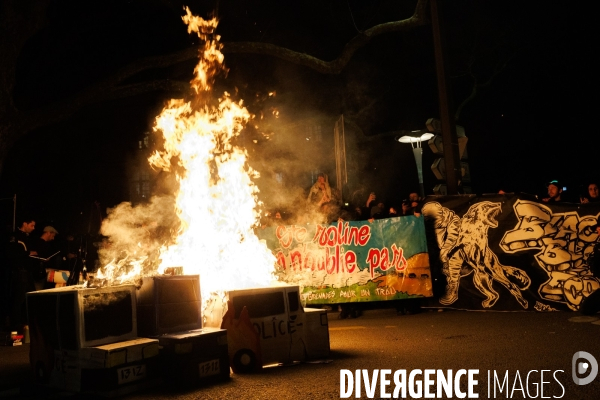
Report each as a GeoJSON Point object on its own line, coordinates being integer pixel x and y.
{"type": "Point", "coordinates": [554, 192]}
{"type": "Point", "coordinates": [412, 205]}
{"type": "Point", "coordinates": [320, 192]}
{"type": "Point", "coordinates": [320, 200]}
{"type": "Point", "coordinates": [593, 195]}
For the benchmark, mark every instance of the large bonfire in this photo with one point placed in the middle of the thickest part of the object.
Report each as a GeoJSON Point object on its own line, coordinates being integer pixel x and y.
{"type": "Point", "coordinates": [215, 203]}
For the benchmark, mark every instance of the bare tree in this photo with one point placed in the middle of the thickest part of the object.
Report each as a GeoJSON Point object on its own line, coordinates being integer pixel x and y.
{"type": "Point", "coordinates": [20, 21]}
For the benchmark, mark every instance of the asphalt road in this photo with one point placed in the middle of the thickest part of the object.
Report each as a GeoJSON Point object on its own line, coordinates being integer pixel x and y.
{"type": "Point", "coordinates": [490, 342]}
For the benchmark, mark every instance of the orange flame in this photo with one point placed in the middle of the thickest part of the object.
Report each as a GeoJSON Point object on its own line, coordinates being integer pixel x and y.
{"type": "Point", "coordinates": [216, 202]}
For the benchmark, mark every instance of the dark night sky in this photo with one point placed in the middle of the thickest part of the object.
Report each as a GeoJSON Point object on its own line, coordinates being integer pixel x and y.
{"type": "Point", "coordinates": [531, 125]}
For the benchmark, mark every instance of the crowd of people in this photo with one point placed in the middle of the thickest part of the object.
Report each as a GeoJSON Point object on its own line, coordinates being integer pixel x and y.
{"type": "Point", "coordinates": [27, 259]}
{"type": "Point", "coordinates": [324, 205]}
{"type": "Point", "coordinates": [555, 193]}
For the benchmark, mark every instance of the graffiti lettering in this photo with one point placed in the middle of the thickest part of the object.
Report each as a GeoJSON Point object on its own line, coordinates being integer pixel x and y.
{"type": "Point", "coordinates": [209, 368]}
{"type": "Point", "coordinates": [353, 256]}
{"type": "Point", "coordinates": [287, 234]}
{"type": "Point", "coordinates": [281, 260]}
{"type": "Point", "coordinates": [398, 260]}
{"type": "Point", "coordinates": [319, 295]}
{"type": "Point", "coordinates": [388, 291]}
{"type": "Point", "coordinates": [380, 259]}
{"type": "Point", "coordinates": [350, 261]}
{"type": "Point", "coordinates": [131, 372]}
{"type": "Point", "coordinates": [274, 328]}
{"type": "Point", "coordinates": [331, 260]}
{"type": "Point", "coordinates": [296, 259]}
{"type": "Point", "coordinates": [269, 330]}
{"type": "Point", "coordinates": [332, 263]}
{"type": "Point", "coordinates": [564, 241]}
{"type": "Point", "coordinates": [342, 234]}
{"type": "Point", "coordinates": [291, 325]}
{"type": "Point", "coordinates": [347, 293]}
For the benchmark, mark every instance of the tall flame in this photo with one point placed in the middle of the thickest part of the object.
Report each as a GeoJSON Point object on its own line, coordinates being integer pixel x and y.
{"type": "Point", "coordinates": [216, 201]}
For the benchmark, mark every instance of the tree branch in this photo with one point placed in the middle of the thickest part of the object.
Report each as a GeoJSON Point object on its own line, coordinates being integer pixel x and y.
{"type": "Point", "coordinates": [15, 123]}
{"type": "Point", "coordinates": [476, 86]}
{"type": "Point", "coordinates": [418, 18]}
{"type": "Point", "coordinates": [61, 110]}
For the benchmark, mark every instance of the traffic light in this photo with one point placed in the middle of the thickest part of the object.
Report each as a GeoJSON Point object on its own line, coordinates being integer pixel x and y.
{"type": "Point", "coordinates": [437, 147]}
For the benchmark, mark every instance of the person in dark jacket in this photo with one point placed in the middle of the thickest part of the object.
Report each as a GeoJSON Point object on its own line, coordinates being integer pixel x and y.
{"type": "Point", "coordinates": [22, 265]}
{"type": "Point", "coordinates": [47, 253]}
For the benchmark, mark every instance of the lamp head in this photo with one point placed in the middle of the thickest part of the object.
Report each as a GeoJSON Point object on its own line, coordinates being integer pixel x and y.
{"type": "Point", "coordinates": [420, 135]}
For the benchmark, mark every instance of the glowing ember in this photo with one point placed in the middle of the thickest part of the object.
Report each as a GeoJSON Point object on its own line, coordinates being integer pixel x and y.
{"type": "Point", "coordinates": [216, 201]}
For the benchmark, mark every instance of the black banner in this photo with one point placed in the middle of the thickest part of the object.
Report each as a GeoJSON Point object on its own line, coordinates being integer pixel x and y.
{"type": "Point", "coordinates": [510, 252]}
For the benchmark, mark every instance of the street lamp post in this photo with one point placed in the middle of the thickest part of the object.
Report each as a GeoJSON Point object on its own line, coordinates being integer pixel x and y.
{"type": "Point", "coordinates": [415, 138]}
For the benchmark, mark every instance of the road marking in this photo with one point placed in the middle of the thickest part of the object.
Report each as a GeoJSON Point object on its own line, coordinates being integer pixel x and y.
{"type": "Point", "coordinates": [347, 328]}
{"type": "Point", "coordinates": [583, 319]}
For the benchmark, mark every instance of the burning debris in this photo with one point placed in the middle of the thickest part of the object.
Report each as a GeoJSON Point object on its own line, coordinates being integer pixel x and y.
{"type": "Point", "coordinates": [98, 301]}
{"type": "Point", "coordinates": [204, 232]}
{"type": "Point", "coordinates": [207, 228]}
